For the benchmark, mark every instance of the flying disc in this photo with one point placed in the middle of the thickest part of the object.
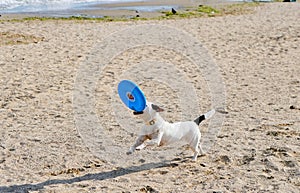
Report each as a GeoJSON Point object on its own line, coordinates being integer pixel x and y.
{"type": "Point", "coordinates": [131, 95]}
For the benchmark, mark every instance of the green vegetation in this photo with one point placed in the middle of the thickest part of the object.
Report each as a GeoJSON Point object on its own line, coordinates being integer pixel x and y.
{"type": "Point", "coordinates": [239, 8]}
{"type": "Point", "coordinates": [208, 10]}
{"type": "Point", "coordinates": [79, 18]}
{"type": "Point", "coordinates": [200, 11]}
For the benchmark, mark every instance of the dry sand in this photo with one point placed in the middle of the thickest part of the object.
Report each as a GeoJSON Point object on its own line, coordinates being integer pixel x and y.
{"type": "Point", "coordinates": [257, 149]}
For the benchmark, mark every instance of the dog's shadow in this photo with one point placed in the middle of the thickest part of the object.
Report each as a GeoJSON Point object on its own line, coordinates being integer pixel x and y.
{"type": "Point", "coordinates": [98, 176]}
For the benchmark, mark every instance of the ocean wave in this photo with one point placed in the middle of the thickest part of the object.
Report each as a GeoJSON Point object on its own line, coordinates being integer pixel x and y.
{"type": "Point", "coordinates": [47, 5]}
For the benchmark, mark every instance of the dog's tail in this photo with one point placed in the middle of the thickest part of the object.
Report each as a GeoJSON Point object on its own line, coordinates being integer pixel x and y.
{"type": "Point", "coordinates": [207, 115]}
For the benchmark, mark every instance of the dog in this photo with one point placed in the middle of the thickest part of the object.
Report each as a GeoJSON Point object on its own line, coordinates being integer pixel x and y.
{"type": "Point", "coordinates": [157, 131]}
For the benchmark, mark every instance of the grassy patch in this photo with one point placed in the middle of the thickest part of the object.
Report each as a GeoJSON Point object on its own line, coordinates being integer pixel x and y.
{"type": "Point", "coordinates": [239, 8]}
{"type": "Point", "coordinates": [200, 11]}
{"type": "Point", "coordinates": [79, 18]}
{"type": "Point", "coordinates": [207, 11]}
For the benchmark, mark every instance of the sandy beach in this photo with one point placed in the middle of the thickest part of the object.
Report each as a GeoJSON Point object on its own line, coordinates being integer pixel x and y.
{"type": "Point", "coordinates": [45, 148]}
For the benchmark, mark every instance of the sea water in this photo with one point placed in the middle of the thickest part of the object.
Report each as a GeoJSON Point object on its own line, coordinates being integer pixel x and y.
{"type": "Point", "coordinates": [21, 6]}
{"type": "Point", "coordinates": [17, 6]}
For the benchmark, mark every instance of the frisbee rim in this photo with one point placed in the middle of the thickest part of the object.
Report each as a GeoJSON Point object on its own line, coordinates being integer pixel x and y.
{"type": "Point", "coordinates": [126, 87]}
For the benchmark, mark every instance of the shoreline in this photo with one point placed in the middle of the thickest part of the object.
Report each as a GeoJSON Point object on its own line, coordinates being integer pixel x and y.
{"type": "Point", "coordinates": [126, 10]}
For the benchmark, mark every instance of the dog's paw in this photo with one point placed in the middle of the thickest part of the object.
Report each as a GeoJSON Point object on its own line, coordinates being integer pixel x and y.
{"type": "Point", "coordinates": [202, 154]}
{"type": "Point", "coordinates": [140, 147]}
{"type": "Point", "coordinates": [130, 151]}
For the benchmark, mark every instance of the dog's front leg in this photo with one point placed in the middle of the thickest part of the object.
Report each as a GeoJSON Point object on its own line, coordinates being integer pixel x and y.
{"type": "Point", "coordinates": [140, 140]}
{"type": "Point", "coordinates": [156, 140]}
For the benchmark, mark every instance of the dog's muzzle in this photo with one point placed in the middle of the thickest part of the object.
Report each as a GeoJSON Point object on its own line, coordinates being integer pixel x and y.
{"type": "Point", "coordinates": [138, 113]}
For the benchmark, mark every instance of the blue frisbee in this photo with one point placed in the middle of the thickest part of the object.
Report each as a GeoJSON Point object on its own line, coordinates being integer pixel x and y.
{"type": "Point", "coordinates": [131, 95]}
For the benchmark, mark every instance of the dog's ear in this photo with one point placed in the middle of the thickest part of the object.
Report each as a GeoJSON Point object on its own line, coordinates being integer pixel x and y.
{"type": "Point", "coordinates": [157, 108]}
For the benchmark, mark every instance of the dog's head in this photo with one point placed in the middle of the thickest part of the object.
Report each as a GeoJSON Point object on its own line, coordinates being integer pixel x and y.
{"type": "Point", "coordinates": [149, 112]}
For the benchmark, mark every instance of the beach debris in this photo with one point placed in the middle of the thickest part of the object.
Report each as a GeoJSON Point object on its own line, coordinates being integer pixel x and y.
{"type": "Point", "coordinates": [225, 159]}
{"type": "Point", "coordinates": [246, 159]}
{"type": "Point", "coordinates": [289, 163]}
{"type": "Point", "coordinates": [276, 151]}
{"type": "Point", "coordinates": [148, 189]}
{"type": "Point", "coordinates": [294, 107]}
{"type": "Point", "coordinates": [221, 110]}
{"type": "Point", "coordinates": [270, 165]}
{"type": "Point", "coordinates": [163, 172]}
{"type": "Point", "coordinates": [137, 13]}
{"type": "Point", "coordinates": [174, 11]}
{"type": "Point", "coordinates": [142, 161]}
{"type": "Point", "coordinates": [74, 171]}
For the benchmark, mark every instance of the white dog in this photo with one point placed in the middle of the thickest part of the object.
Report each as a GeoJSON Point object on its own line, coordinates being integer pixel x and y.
{"type": "Point", "coordinates": [160, 132]}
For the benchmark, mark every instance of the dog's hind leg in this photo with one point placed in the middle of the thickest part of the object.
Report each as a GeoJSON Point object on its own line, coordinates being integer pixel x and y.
{"type": "Point", "coordinates": [201, 150]}
{"type": "Point", "coordinates": [195, 147]}
{"type": "Point", "coordinates": [196, 153]}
